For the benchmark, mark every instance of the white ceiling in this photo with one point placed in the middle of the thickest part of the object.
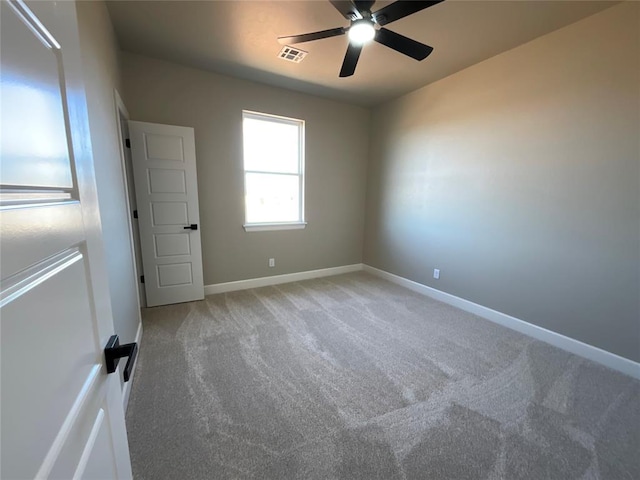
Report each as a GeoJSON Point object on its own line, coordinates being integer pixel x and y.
{"type": "Point", "coordinates": [238, 38]}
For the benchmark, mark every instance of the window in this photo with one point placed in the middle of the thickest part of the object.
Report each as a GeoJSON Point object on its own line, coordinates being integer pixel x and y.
{"type": "Point", "coordinates": [273, 172]}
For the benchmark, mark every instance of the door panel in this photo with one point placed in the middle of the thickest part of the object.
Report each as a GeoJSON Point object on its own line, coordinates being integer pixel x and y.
{"type": "Point", "coordinates": [166, 181]}
{"type": "Point", "coordinates": [164, 147]}
{"type": "Point", "coordinates": [169, 213]}
{"type": "Point", "coordinates": [164, 168]}
{"type": "Point", "coordinates": [34, 146]}
{"type": "Point", "coordinates": [174, 274]}
{"type": "Point", "coordinates": [170, 244]}
{"type": "Point", "coordinates": [40, 405]}
{"type": "Point", "coordinates": [97, 465]}
{"type": "Point", "coordinates": [55, 313]}
{"type": "Point", "coordinates": [69, 460]}
{"type": "Point", "coordinates": [31, 232]}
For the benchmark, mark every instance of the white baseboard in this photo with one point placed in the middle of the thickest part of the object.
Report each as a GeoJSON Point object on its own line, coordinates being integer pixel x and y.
{"type": "Point", "coordinates": [126, 391]}
{"type": "Point", "coordinates": [278, 279]}
{"type": "Point", "coordinates": [571, 345]}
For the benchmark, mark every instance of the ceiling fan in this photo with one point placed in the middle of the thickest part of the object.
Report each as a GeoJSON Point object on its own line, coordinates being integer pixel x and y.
{"type": "Point", "coordinates": [363, 29]}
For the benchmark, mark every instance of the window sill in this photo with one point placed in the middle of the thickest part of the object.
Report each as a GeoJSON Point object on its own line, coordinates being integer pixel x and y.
{"type": "Point", "coordinates": [264, 227]}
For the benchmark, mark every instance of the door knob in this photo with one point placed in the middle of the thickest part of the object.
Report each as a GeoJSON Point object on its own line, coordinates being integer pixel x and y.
{"type": "Point", "coordinates": [193, 226]}
{"type": "Point", "coordinates": [113, 352]}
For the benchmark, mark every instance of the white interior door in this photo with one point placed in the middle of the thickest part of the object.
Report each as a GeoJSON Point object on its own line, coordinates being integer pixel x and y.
{"type": "Point", "coordinates": [164, 171]}
{"type": "Point", "coordinates": [61, 415]}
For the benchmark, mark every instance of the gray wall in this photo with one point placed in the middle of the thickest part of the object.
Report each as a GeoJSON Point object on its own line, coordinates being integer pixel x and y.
{"type": "Point", "coordinates": [337, 137]}
{"type": "Point", "coordinates": [519, 178]}
{"type": "Point", "coordinates": [102, 75]}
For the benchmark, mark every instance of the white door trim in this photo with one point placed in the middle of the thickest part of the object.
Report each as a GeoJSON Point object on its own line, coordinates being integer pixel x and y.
{"type": "Point", "coordinates": [121, 109]}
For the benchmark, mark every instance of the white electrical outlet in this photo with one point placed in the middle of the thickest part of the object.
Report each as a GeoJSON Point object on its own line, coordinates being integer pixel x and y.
{"type": "Point", "coordinates": [272, 262]}
{"type": "Point", "coordinates": [436, 273]}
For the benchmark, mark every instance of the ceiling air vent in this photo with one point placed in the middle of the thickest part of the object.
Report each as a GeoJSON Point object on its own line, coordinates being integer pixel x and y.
{"type": "Point", "coordinates": [292, 54]}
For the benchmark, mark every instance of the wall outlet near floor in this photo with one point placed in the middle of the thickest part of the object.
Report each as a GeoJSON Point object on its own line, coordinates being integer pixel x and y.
{"type": "Point", "coordinates": [436, 273]}
{"type": "Point", "coordinates": [272, 262]}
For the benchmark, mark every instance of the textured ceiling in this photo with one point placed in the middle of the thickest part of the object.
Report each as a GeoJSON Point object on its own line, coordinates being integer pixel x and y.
{"type": "Point", "coordinates": [238, 38]}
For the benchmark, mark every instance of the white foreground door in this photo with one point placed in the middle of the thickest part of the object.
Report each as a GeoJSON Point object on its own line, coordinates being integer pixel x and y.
{"type": "Point", "coordinates": [61, 415]}
{"type": "Point", "coordinates": [164, 171]}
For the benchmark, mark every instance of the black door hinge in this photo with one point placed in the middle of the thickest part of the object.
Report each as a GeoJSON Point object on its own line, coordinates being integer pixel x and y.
{"type": "Point", "coordinates": [135, 214]}
{"type": "Point", "coordinates": [141, 278]}
{"type": "Point", "coordinates": [127, 143]}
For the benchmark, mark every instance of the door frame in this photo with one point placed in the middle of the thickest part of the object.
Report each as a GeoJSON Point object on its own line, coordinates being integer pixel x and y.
{"type": "Point", "coordinates": [129, 190]}
{"type": "Point", "coordinates": [121, 112]}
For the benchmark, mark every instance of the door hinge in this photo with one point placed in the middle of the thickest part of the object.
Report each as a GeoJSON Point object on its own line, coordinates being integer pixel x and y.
{"type": "Point", "coordinates": [135, 214]}
{"type": "Point", "coordinates": [127, 143]}
{"type": "Point", "coordinates": [141, 278]}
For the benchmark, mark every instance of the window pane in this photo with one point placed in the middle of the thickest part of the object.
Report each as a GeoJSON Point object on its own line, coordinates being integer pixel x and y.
{"type": "Point", "coordinates": [270, 146]}
{"type": "Point", "coordinates": [272, 198]}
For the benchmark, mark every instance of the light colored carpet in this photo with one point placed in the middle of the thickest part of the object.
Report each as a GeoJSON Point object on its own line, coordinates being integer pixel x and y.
{"type": "Point", "coordinates": [351, 377]}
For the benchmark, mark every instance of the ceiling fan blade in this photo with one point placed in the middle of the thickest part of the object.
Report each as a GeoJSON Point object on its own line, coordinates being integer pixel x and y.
{"type": "Point", "coordinates": [347, 9]}
{"type": "Point", "coordinates": [307, 37]}
{"type": "Point", "coordinates": [350, 60]}
{"type": "Point", "coordinates": [364, 5]}
{"type": "Point", "coordinates": [400, 9]}
{"type": "Point", "coordinates": [402, 44]}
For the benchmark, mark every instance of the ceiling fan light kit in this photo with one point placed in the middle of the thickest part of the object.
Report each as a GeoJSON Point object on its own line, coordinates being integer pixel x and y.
{"type": "Point", "coordinates": [363, 29]}
{"type": "Point", "coordinates": [361, 32]}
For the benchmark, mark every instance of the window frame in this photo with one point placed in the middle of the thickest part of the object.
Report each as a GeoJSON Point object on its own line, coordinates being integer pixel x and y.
{"type": "Point", "coordinates": [266, 226]}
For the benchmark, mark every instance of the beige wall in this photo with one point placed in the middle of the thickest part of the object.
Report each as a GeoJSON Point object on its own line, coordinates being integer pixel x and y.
{"type": "Point", "coordinates": [336, 156]}
{"type": "Point", "coordinates": [519, 178]}
{"type": "Point", "coordinates": [102, 75]}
